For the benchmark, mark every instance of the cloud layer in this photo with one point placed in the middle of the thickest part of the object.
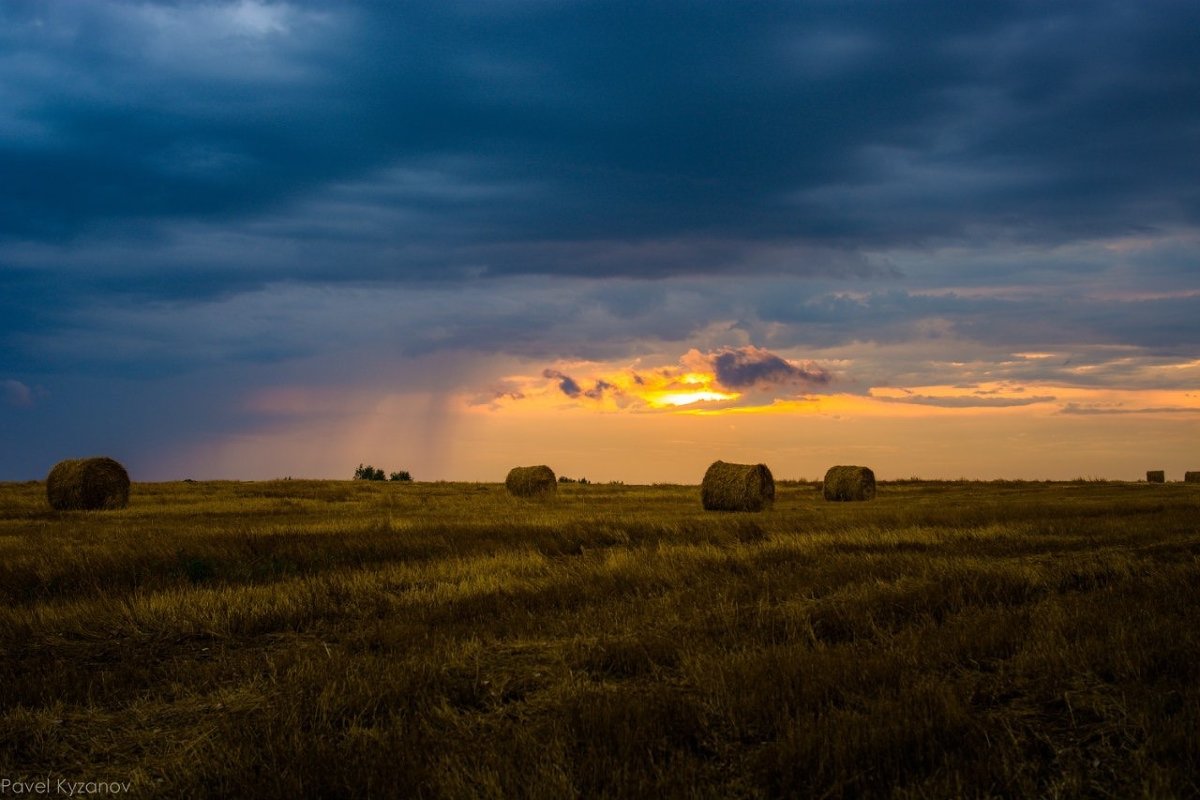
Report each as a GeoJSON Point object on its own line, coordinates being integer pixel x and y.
{"type": "Point", "coordinates": [746, 367]}
{"type": "Point", "coordinates": [459, 138]}
{"type": "Point", "coordinates": [245, 195]}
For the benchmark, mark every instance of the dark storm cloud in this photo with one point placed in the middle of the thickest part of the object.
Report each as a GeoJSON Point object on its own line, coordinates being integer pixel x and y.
{"type": "Point", "coordinates": [566, 384]}
{"type": "Point", "coordinates": [571, 388]}
{"type": "Point", "coordinates": [189, 153]}
{"type": "Point", "coordinates": [657, 138]}
{"type": "Point", "coordinates": [1029, 317]}
{"type": "Point", "coordinates": [597, 391]}
{"type": "Point", "coordinates": [740, 368]}
{"type": "Point", "coordinates": [750, 366]}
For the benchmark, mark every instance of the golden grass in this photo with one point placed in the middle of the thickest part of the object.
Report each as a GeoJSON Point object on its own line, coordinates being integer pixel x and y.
{"type": "Point", "coordinates": [299, 638]}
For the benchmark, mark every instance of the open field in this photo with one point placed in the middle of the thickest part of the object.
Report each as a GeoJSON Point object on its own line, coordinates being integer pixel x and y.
{"type": "Point", "coordinates": [360, 639]}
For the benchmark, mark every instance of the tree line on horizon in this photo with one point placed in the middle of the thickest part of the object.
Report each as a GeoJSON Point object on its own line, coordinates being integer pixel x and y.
{"type": "Point", "coordinates": [367, 472]}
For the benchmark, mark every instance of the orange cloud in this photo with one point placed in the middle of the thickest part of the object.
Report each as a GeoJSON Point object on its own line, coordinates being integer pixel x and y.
{"type": "Point", "coordinates": [725, 378]}
{"type": "Point", "coordinates": [754, 380]}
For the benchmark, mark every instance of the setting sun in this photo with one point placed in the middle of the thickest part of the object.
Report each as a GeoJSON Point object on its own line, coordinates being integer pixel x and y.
{"type": "Point", "coordinates": [687, 398]}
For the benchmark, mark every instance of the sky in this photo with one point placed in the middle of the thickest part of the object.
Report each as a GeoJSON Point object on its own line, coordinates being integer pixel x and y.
{"type": "Point", "coordinates": [264, 239]}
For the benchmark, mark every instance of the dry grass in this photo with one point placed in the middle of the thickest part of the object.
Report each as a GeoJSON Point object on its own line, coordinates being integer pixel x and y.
{"type": "Point", "coordinates": [351, 639]}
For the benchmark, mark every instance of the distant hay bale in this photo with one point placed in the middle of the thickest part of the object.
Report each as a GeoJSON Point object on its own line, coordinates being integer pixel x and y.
{"type": "Point", "coordinates": [848, 483]}
{"type": "Point", "coordinates": [1156, 476]}
{"type": "Point", "coordinates": [531, 481]}
{"type": "Point", "coordinates": [1191, 477]}
{"type": "Point", "coordinates": [737, 487]}
{"type": "Point", "coordinates": [87, 484]}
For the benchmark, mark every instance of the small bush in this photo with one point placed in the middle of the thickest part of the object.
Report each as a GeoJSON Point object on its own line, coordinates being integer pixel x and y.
{"type": "Point", "coordinates": [368, 473]}
{"type": "Point", "coordinates": [402, 475]}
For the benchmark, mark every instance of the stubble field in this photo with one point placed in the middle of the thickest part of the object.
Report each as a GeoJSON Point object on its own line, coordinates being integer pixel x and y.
{"type": "Point", "coordinates": [360, 639]}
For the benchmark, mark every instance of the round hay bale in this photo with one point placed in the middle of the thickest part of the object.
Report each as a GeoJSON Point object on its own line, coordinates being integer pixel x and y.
{"type": "Point", "coordinates": [536, 481]}
{"type": "Point", "coordinates": [1191, 477]}
{"type": "Point", "coordinates": [1156, 476]}
{"type": "Point", "coordinates": [737, 487]}
{"type": "Point", "coordinates": [87, 484]}
{"type": "Point", "coordinates": [845, 483]}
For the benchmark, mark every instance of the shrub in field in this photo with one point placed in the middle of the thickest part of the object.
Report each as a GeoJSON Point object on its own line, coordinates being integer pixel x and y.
{"type": "Point", "coordinates": [1156, 476]}
{"type": "Point", "coordinates": [402, 475]}
{"type": "Point", "coordinates": [368, 473]}
{"type": "Point", "coordinates": [848, 483]}
{"type": "Point", "coordinates": [87, 484]}
{"type": "Point", "coordinates": [531, 481]}
{"type": "Point", "coordinates": [737, 487]}
{"type": "Point", "coordinates": [1191, 477]}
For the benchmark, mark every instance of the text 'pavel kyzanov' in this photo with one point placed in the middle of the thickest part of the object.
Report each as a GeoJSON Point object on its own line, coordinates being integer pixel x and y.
{"type": "Point", "coordinates": [62, 786]}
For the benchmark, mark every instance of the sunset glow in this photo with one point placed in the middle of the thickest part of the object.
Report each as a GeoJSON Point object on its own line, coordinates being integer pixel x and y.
{"type": "Point", "coordinates": [687, 398]}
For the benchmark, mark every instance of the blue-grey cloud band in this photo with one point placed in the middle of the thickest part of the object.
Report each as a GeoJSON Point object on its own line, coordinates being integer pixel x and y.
{"type": "Point", "coordinates": [510, 137]}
